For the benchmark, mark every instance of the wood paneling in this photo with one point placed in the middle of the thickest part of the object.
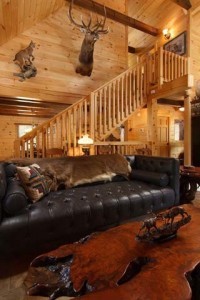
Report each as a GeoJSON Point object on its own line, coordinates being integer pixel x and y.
{"type": "Point", "coordinates": [58, 45]}
{"type": "Point", "coordinates": [17, 16]}
{"type": "Point", "coordinates": [8, 132]}
{"type": "Point", "coordinates": [195, 42]}
{"type": "Point", "coordinates": [161, 14]}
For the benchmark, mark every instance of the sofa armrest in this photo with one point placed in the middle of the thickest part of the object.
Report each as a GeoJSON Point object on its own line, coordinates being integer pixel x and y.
{"type": "Point", "coordinates": [167, 165]}
{"type": "Point", "coordinates": [3, 187]}
{"type": "Point", "coordinates": [160, 179]}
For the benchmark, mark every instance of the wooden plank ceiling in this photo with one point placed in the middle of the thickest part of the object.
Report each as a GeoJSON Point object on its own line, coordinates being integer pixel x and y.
{"type": "Point", "coordinates": [18, 16]}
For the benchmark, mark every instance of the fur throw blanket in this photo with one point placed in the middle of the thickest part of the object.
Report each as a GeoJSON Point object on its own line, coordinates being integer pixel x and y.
{"type": "Point", "coordinates": [71, 171]}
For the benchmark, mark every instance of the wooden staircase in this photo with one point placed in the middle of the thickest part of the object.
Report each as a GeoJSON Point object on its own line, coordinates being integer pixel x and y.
{"type": "Point", "coordinates": [104, 109]}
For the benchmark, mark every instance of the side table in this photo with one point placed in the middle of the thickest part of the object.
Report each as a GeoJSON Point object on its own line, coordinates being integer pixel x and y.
{"type": "Point", "coordinates": [189, 182]}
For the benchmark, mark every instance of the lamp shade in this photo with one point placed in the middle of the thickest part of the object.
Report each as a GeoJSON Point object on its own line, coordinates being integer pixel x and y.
{"type": "Point", "coordinates": [85, 140]}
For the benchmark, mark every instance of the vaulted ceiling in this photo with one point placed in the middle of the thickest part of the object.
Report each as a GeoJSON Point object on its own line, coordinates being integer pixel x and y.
{"type": "Point", "coordinates": [18, 16]}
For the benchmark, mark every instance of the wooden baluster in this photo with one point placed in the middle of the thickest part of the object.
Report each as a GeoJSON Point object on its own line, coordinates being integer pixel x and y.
{"type": "Point", "coordinates": [85, 117]}
{"type": "Point", "coordinates": [169, 66]}
{"type": "Point", "coordinates": [105, 110]}
{"type": "Point", "coordinates": [69, 129]}
{"type": "Point", "coordinates": [182, 65]}
{"type": "Point", "coordinates": [134, 91]}
{"type": "Point", "coordinates": [23, 149]}
{"type": "Point", "coordinates": [109, 108]}
{"type": "Point", "coordinates": [122, 97]}
{"type": "Point", "coordinates": [38, 143]}
{"type": "Point", "coordinates": [145, 81]}
{"type": "Point", "coordinates": [45, 135]}
{"type": "Point", "coordinates": [126, 95]}
{"type": "Point", "coordinates": [80, 119]}
{"type": "Point", "coordinates": [64, 131]}
{"type": "Point", "coordinates": [130, 94]}
{"type": "Point", "coordinates": [100, 113]}
{"type": "Point", "coordinates": [172, 66]}
{"type": "Point", "coordinates": [176, 67]}
{"type": "Point", "coordinates": [31, 149]}
{"type": "Point", "coordinates": [118, 102]}
{"type": "Point", "coordinates": [179, 67]}
{"type": "Point", "coordinates": [92, 115]}
{"type": "Point", "coordinates": [114, 103]}
{"type": "Point", "coordinates": [141, 84]}
{"type": "Point", "coordinates": [58, 136]}
{"type": "Point", "coordinates": [130, 90]}
{"type": "Point", "coordinates": [51, 144]}
{"type": "Point", "coordinates": [74, 129]}
{"type": "Point", "coordinates": [95, 114]}
{"type": "Point", "coordinates": [186, 65]}
{"type": "Point", "coordinates": [165, 66]}
{"type": "Point", "coordinates": [137, 87]}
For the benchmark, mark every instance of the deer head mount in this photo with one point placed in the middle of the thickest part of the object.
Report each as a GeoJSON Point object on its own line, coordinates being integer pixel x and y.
{"type": "Point", "coordinates": [92, 33]}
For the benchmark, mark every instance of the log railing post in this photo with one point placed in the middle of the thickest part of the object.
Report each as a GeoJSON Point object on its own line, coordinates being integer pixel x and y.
{"type": "Point", "coordinates": [160, 67]}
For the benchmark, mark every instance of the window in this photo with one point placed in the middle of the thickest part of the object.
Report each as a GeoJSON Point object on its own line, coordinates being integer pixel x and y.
{"type": "Point", "coordinates": [23, 129]}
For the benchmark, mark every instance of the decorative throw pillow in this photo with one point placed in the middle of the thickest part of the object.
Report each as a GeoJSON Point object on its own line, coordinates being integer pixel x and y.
{"type": "Point", "coordinates": [33, 182]}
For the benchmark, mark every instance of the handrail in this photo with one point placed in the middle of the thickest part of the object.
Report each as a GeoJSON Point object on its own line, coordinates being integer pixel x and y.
{"type": "Point", "coordinates": [99, 113]}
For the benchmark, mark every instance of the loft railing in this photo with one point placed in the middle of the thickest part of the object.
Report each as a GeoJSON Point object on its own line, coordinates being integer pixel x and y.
{"type": "Point", "coordinates": [104, 109]}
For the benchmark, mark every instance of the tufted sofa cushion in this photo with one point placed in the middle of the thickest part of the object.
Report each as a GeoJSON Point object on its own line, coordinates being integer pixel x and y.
{"type": "Point", "coordinates": [65, 217]}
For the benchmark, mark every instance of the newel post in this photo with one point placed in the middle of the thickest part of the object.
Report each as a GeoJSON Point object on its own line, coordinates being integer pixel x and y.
{"type": "Point", "coordinates": [160, 67]}
{"type": "Point", "coordinates": [92, 120]}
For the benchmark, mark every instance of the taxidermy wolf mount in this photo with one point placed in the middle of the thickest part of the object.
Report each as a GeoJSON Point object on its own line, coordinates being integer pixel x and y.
{"type": "Point", "coordinates": [92, 33]}
{"type": "Point", "coordinates": [24, 58]}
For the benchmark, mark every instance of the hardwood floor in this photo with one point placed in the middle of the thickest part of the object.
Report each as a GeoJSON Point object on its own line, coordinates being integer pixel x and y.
{"type": "Point", "coordinates": [13, 272]}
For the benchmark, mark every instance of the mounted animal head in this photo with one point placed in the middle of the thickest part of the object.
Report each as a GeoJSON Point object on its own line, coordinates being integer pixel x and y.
{"type": "Point", "coordinates": [92, 33]}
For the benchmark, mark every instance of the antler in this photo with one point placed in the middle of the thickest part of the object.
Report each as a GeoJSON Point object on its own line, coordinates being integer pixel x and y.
{"type": "Point", "coordinates": [84, 27]}
{"type": "Point", "coordinates": [101, 24]}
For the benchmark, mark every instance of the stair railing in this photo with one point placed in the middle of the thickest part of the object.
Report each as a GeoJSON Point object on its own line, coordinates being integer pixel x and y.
{"type": "Point", "coordinates": [104, 109]}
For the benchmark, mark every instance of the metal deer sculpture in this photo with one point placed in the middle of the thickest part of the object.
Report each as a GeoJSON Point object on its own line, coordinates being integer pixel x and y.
{"type": "Point", "coordinates": [92, 33]}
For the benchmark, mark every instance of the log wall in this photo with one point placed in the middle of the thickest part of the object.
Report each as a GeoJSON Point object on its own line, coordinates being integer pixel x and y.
{"type": "Point", "coordinates": [137, 127]}
{"type": "Point", "coordinates": [195, 39]}
{"type": "Point", "coordinates": [58, 44]}
{"type": "Point", "coordinates": [160, 14]}
{"type": "Point", "coordinates": [8, 133]}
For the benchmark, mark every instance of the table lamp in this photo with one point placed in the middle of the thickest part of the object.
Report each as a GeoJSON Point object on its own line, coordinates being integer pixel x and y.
{"type": "Point", "coordinates": [85, 141]}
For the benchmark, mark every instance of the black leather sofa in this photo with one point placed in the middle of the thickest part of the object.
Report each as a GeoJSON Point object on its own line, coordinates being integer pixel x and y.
{"type": "Point", "coordinates": [67, 215]}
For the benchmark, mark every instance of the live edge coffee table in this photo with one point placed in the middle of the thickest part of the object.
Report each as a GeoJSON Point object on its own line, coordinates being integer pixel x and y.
{"type": "Point", "coordinates": [162, 270]}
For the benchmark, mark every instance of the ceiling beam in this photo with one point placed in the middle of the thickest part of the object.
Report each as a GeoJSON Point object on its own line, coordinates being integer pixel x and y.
{"type": "Point", "coordinates": [34, 108]}
{"type": "Point", "coordinates": [183, 3]}
{"type": "Point", "coordinates": [24, 114]}
{"type": "Point", "coordinates": [116, 16]}
{"type": "Point", "coordinates": [172, 102]}
{"type": "Point", "coordinates": [32, 103]}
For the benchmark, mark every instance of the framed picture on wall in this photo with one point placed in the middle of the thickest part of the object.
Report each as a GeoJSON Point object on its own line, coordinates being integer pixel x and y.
{"type": "Point", "coordinates": [177, 45]}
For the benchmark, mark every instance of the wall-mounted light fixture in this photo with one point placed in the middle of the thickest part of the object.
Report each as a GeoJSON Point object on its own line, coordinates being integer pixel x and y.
{"type": "Point", "coordinates": [182, 108]}
{"type": "Point", "coordinates": [86, 142]}
{"type": "Point", "coordinates": [166, 33]}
